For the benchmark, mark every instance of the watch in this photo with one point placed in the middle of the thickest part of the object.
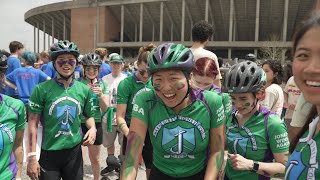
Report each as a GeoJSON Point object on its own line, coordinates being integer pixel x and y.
{"type": "Point", "coordinates": [255, 167]}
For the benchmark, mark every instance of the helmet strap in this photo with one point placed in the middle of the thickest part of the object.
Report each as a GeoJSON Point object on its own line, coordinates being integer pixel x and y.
{"type": "Point", "coordinates": [255, 105]}
{"type": "Point", "coordinates": [187, 94]}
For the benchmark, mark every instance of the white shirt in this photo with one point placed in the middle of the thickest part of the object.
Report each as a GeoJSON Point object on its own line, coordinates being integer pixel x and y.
{"type": "Point", "coordinates": [274, 99]}
{"type": "Point", "coordinates": [201, 52]}
{"type": "Point", "coordinates": [293, 92]}
{"type": "Point", "coordinates": [113, 83]}
{"type": "Point", "coordinates": [300, 112]}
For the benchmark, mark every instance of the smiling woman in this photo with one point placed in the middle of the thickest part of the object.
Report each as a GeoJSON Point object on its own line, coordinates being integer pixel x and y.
{"type": "Point", "coordinates": [183, 123]}
{"type": "Point", "coordinates": [306, 70]}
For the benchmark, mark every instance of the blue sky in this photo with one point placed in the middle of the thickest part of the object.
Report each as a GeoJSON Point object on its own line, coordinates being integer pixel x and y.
{"type": "Point", "coordinates": [13, 26]}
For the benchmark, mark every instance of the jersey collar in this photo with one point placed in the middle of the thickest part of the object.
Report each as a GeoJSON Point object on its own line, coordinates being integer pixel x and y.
{"type": "Point", "coordinates": [61, 84]}
{"type": "Point", "coordinates": [1, 98]}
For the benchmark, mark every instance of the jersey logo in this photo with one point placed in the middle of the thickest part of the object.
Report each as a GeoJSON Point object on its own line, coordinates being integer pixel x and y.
{"type": "Point", "coordinates": [4, 130]}
{"type": "Point", "coordinates": [295, 165]}
{"type": "Point", "coordinates": [178, 142]}
{"type": "Point", "coordinates": [65, 115]}
{"type": "Point", "coordinates": [238, 142]}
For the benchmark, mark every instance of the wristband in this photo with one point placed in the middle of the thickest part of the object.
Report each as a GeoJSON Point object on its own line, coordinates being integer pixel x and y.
{"type": "Point", "coordinates": [32, 154]}
{"type": "Point", "coordinates": [121, 125]}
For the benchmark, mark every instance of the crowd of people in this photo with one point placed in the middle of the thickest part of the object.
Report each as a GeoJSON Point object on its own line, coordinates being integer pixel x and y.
{"type": "Point", "coordinates": [172, 108]}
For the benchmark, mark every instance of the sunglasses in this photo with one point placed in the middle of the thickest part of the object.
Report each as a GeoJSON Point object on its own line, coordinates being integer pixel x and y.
{"type": "Point", "coordinates": [142, 72]}
{"type": "Point", "coordinates": [71, 62]}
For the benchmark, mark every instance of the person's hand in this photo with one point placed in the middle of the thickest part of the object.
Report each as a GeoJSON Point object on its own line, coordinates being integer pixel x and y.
{"type": "Point", "coordinates": [33, 168]}
{"type": "Point", "coordinates": [292, 106]}
{"type": "Point", "coordinates": [125, 131]}
{"type": "Point", "coordinates": [2, 76]}
{"type": "Point", "coordinates": [96, 90]}
{"type": "Point", "coordinates": [90, 137]}
{"type": "Point", "coordinates": [238, 162]}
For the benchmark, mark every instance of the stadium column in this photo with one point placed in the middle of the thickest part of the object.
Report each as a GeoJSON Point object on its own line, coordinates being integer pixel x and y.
{"type": "Point", "coordinates": [122, 28]}
{"type": "Point", "coordinates": [64, 27]}
{"type": "Point", "coordinates": [285, 25]}
{"type": "Point", "coordinates": [34, 39]}
{"type": "Point", "coordinates": [44, 34]}
{"type": "Point", "coordinates": [183, 14]}
{"type": "Point", "coordinates": [256, 32]}
{"type": "Point", "coordinates": [38, 36]}
{"type": "Point", "coordinates": [141, 22]}
{"type": "Point", "coordinates": [230, 27]}
{"type": "Point", "coordinates": [161, 21]}
{"type": "Point", "coordinates": [52, 33]}
{"type": "Point", "coordinates": [206, 16]}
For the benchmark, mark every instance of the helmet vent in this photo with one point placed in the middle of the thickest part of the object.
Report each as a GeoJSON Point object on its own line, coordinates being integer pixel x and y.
{"type": "Point", "coordinates": [252, 70]}
{"type": "Point", "coordinates": [246, 81]}
{"type": "Point", "coordinates": [170, 57]}
{"type": "Point", "coordinates": [242, 68]}
{"type": "Point", "coordinates": [60, 46]}
{"type": "Point", "coordinates": [154, 59]}
{"type": "Point", "coordinates": [163, 49]}
{"type": "Point", "coordinates": [237, 80]}
{"type": "Point", "coordinates": [185, 57]}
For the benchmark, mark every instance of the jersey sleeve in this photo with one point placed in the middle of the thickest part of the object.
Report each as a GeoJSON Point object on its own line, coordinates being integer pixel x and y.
{"type": "Point", "coordinates": [42, 76]}
{"type": "Point", "coordinates": [22, 116]}
{"type": "Point", "coordinates": [278, 135]}
{"type": "Point", "coordinates": [215, 103]}
{"type": "Point", "coordinates": [141, 107]}
{"type": "Point", "coordinates": [36, 103]}
{"type": "Point", "coordinates": [227, 106]}
{"type": "Point", "coordinates": [88, 110]}
{"type": "Point", "coordinates": [123, 92]}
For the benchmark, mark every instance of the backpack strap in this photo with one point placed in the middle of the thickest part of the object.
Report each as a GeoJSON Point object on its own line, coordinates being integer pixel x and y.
{"type": "Point", "coordinates": [268, 157]}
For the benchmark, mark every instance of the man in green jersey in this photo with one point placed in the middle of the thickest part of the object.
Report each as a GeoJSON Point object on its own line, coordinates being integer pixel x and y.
{"type": "Point", "coordinates": [257, 139]}
{"type": "Point", "coordinates": [12, 124]}
{"type": "Point", "coordinates": [60, 101]}
{"type": "Point", "coordinates": [185, 127]}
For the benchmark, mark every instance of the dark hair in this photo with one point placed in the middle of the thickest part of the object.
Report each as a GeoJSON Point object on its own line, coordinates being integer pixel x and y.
{"type": "Point", "coordinates": [287, 69]}
{"type": "Point", "coordinates": [205, 67]}
{"type": "Point", "coordinates": [220, 61]}
{"type": "Point", "coordinates": [312, 114]}
{"type": "Point", "coordinates": [14, 46]}
{"type": "Point", "coordinates": [311, 22]}
{"type": "Point", "coordinates": [6, 53]}
{"type": "Point", "coordinates": [202, 31]}
{"type": "Point", "coordinates": [144, 51]}
{"type": "Point", "coordinates": [277, 69]}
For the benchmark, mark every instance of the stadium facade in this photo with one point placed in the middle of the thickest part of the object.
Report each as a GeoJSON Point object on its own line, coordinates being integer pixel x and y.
{"type": "Point", "coordinates": [240, 26]}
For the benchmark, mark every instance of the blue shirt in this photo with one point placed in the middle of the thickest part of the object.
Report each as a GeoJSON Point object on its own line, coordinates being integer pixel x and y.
{"type": "Point", "coordinates": [78, 72]}
{"type": "Point", "coordinates": [13, 63]}
{"type": "Point", "coordinates": [104, 70]}
{"type": "Point", "coordinates": [126, 73]}
{"type": "Point", "coordinates": [26, 78]}
{"type": "Point", "coordinates": [50, 71]}
{"type": "Point", "coordinates": [44, 67]}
